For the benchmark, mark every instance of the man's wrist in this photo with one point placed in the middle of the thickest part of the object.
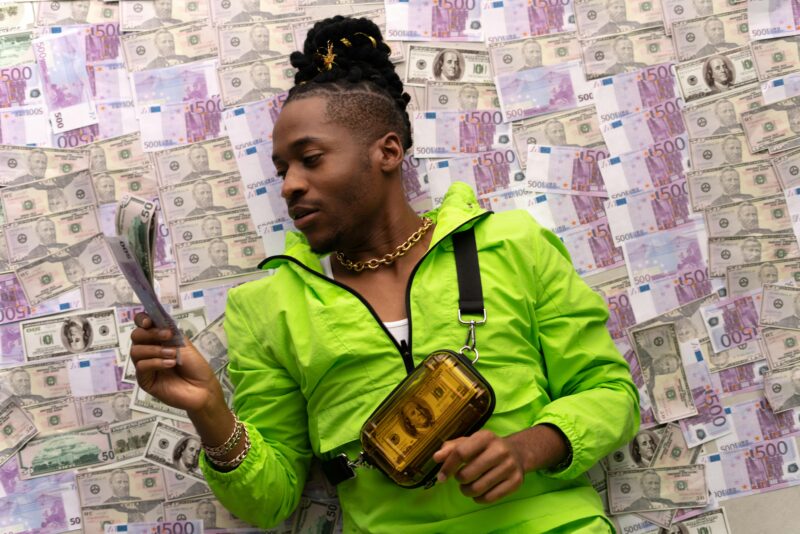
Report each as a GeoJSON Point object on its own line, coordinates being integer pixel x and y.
{"type": "Point", "coordinates": [542, 446]}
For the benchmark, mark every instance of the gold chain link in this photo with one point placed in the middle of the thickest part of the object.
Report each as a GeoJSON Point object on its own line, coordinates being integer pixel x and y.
{"type": "Point", "coordinates": [387, 259]}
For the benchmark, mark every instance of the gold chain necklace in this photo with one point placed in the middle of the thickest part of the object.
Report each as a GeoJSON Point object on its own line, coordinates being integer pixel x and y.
{"type": "Point", "coordinates": [387, 259]}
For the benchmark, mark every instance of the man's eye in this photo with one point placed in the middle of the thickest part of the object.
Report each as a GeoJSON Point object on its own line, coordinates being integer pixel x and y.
{"type": "Point", "coordinates": [312, 159]}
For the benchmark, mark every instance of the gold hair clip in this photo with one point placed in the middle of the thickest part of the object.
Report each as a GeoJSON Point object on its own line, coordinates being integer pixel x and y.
{"type": "Point", "coordinates": [345, 41]}
{"type": "Point", "coordinates": [371, 39]}
{"type": "Point", "coordinates": [328, 59]}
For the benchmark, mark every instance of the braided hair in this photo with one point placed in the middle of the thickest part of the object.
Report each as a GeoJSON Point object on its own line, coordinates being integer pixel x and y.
{"type": "Point", "coordinates": [345, 60]}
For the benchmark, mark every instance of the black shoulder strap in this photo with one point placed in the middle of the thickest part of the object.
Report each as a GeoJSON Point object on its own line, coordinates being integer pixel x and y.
{"type": "Point", "coordinates": [470, 292]}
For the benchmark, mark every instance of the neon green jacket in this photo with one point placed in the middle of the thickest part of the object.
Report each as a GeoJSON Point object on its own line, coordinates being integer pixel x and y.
{"type": "Point", "coordinates": [310, 362]}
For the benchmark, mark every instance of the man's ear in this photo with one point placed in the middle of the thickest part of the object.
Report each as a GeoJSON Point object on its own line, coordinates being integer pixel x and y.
{"type": "Point", "coordinates": [389, 152]}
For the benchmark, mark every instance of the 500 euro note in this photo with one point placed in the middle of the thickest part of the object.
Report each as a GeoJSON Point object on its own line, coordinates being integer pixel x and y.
{"type": "Point", "coordinates": [508, 20]}
{"type": "Point", "coordinates": [429, 20]}
{"type": "Point", "coordinates": [631, 92]}
{"type": "Point", "coordinates": [645, 128]}
{"type": "Point", "coordinates": [565, 170]}
{"type": "Point", "coordinates": [645, 170]}
{"type": "Point", "coordinates": [445, 133]}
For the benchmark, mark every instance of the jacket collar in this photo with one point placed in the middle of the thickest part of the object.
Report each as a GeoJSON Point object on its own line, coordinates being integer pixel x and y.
{"type": "Point", "coordinates": [459, 208]}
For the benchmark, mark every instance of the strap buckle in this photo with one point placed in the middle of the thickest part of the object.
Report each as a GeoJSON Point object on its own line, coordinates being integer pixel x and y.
{"type": "Point", "coordinates": [470, 342]}
{"type": "Point", "coordinates": [340, 468]}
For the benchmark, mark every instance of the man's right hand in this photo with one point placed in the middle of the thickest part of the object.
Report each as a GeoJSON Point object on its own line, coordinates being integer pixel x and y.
{"type": "Point", "coordinates": [190, 386]}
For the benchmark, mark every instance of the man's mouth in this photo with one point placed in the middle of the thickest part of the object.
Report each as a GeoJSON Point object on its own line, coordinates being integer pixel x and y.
{"type": "Point", "coordinates": [302, 216]}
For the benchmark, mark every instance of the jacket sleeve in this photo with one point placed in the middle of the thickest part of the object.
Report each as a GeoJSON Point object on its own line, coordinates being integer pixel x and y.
{"type": "Point", "coordinates": [265, 488]}
{"type": "Point", "coordinates": [594, 400]}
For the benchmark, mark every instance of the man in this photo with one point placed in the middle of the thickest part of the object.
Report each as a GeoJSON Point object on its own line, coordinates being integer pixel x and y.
{"type": "Point", "coordinates": [726, 114]}
{"type": "Point", "coordinates": [467, 97]}
{"type": "Point", "coordinates": [747, 214]}
{"type": "Point", "coordinates": [218, 254]}
{"type": "Point", "coordinates": [259, 41]}
{"type": "Point", "coordinates": [198, 161]}
{"type": "Point", "coordinates": [623, 49]}
{"type": "Point", "coordinates": [618, 19]}
{"type": "Point", "coordinates": [793, 114]}
{"type": "Point", "coordinates": [448, 65]}
{"type": "Point", "coordinates": [76, 335]}
{"type": "Point", "coordinates": [56, 200]}
{"type": "Point", "coordinates": [37, 167]}
{"type": "Point", "coordinates": [651, 494]}
{"type": "Point", "coordinates": [46, 232]}
{"type": "Point", "coordinates": [121, 406]}
{"type": "Point", "coordinates": [165, 45]}
{"type": "Point", "coordinates": [123, 293]}
{"type": "Point", "coordinates": [211, 227]}
{"type": "Point", "coordinates": [715, 35]}
{"type": "Point", "coordinates": [643, 447]}
{"type": "Point", "coordinates": [251, 12]}
{"type": "Point", "coordinates": [767, 274]}
{"type": "Point", "coordinates": [97, 159]}
{"type": "Point", "coordinates": [120, 484]}
{"type": "Point", "coordinates": [794, 400]}
{"type": "Point", "coordinates": [731, 188]}
{"type": "Point", "coordinates": [317, 358]}
{"type": "Point", "coordinates": [262, 84]}
{"type": "Point", "coordinates": [73, 270]}
{"type": "Point", "coordinates": [703, 8]}
{"type": "Point", "coordinates": [732, 149]}
{"type": "Point", "coordinates": [203, 199]}
{"type": "Point", "coordinates": [751, 250]}
{"type": "Point", "coordinates": [208, 513]}
{"type": "Point", "coordinates": [185, 455]}
{"type": "Point", "coordinates": [793, 320]}
{"type": "Point", "coordinates": [531, 55]}
{"type": "Point", "coordinates": [163, 9]}
{"type": "Point", "coordinates": [105, 187]}
{"type": "Point", "coordinates": [718, 74]}
{"type": "Point", "coordinates": [79, 11]}
{"type": "Point", "coordinates": [19, 382]}
{"type": "Point", "coordinates": [554, 133]}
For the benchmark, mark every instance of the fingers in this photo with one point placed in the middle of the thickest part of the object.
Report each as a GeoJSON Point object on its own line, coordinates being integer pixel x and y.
{"type": "Point", "coordinates": [497, 474]}
{"type": "Point", "coordinates": [463, 451]}
{"type": "Point", "coordinates": [150, 336]}
{"type": "Point", "coordinates": [141, 353]}
{"type": "Point", "coordinates": [499, 491]}
{"type": "Point", "coordinates": [143, 320]}
{"type": "Point", "coordinates": [153, 364]}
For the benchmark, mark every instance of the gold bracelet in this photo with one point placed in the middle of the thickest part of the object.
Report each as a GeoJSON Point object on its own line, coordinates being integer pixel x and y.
{"type": "Point", "coordinates": [238, 459]}
{"type": "Point", "coordinates": [230, 443]}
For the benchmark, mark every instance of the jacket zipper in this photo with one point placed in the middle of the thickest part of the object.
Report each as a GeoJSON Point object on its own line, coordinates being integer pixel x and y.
{"type": "Point", "coordinates": [403, 348]}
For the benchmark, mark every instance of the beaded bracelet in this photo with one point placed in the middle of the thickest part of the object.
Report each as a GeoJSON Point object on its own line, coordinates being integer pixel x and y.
{"type": "Point", "coordinates": [230, 443]}
{"type": "Point", "coordinates": [239, 458]}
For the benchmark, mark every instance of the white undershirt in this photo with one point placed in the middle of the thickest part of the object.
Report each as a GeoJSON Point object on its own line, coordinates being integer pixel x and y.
{"type": "Point", "coordinates": [398, 329]}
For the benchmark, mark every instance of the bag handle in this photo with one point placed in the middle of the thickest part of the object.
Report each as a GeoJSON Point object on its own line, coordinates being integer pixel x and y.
{"type": "Point", "coordinates": [470, 290]}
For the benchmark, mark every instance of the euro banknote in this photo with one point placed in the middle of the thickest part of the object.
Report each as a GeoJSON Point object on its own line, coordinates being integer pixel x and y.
{"type": "Point", "coordinates": [594, 18]}
{"type": "Point", "coordinates": [25, 125]}
{"type": "Point", "coordinates": [179, 124]}
{"type": "Point", "coordinates": [782, 88]}
{"type": "Point", "coordinates": [202, 196]}
{"type": "Point", "coordinates": [641, 171]}
{"type": "Point", "coordinates": [173, 84]}
{"type": "Point", "coordinates": [732, 183]}
{"type": "Point", "coordinates": [741, 379]}
{"type": "Point", "coordinates": [591, 248]}
{"type": "Point", "coordinates": [533, 92]}
{"type": "Point", "coordinates": [191, 162]}
{"type": "Point", "coordinates": [754, 422]}
{"type": "Point", "coordinates": [631, 490]}
{"type": "Point", "coordinates": [248, 41]}
{"type": "Point", "coordinates": [454, 96]}
{"type": "Point", "coordinates": [170, 46]}
{"type": "Point", "coordinates": [431, 63]}
{"type": "Point", "coordinates": [117, 153]}
{"type": "Point", "coordinates": [141, 16]}
{"type": "Point", "coordinates": [649, 212]}
{"type": "Point", "coordinates": [430, 21]}
{"type": "Point", "coordinates": [630, 92]}
{"type": "Point", "coordinates": [251, 124]}
{"type": "Point", "coordinates": [22, 86]}
{"type": "Point", "coordinates": [557, 212]}
{"type": "Point", "coordinates": [769, 20]}
{"type": "Point", "coordinates": [721, 115]}
{"type": "Point", "coordinates": [48, 195]}
{"type": "Point", "coordinates": [193, 525]}
{"type": "Point", "coordinates": [506, 21]}
{"type": "Point", "coordinates": [446, 133]}
{"type": "Point", "coordinates": [641, 130]}
{"type": "Point", "coordinates": [733, 321]}
{"type": "Point", "coordinates": [533, 52]}
{"type": "Point", "coordinates": [486, 172]}
{"type": "Point", "coordinates": [782, 389]}
{"type": "Point", "coordinates": [222, 257]}
{"type": "Point", "coordinates": [781, 347]}
{"type": "Point", "coordinates": [618, 54]}
{"type": "Point", "coordinates": [565, 169]}
{"type": "Point", "coordinates": [97, 518]}
{"type": "Point", "coordinates": [704, 36]}
{"type": "Point", "coordinates": [742, 279]}
{"type": "Point", "coordinates": [263, 189]}
{"type": "Point", "coordinates": [758, 217]}
{"type": "Point", "coordinates": [711, 421]}
{"type": "Point", "coordinates": [616, 294]}
{"type": "Point", "coordinates": [715, 74]}
{"type": "Point", "coordinates": [577, 127]}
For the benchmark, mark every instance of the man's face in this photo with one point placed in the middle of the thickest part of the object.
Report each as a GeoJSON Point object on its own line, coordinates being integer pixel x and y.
{"type": "Point", "coordinates": [74, 271]}
{"type": "Point", "coordinates": [37, 164]}
{"type": "Point", "coordinates": [450, 65]}
{"type": "Point", "coordinates": [261, 78]}
{"type": "Point", "coordinates": [715, 31]}
{"type": "Point", "coordinates": [121, 407]}
{"type": "Point", "coordinates": [415, 415]}
{"type": "Point", "coordinates": [203, 195]}
{"type": "Point", "coordinates": [768, 274]}
{"type": "Point", "coordinates": [46, 230]}
{"type": "Point", "coordinates": [165, 44]}
{"type": "Point", "coordinates": [212, 228]}
{"type": "Point", "coordinates": [719, 71]}
{"type": "Point", "coordinates": [259, 37]}
{"type": "Point", "coordinates": [796, 380]}
{"type": "Point", "coordinates": [120, 485]}
{"type": "Point", "coordinates": [703, 7]}
{"type": "Point", "coordinates": [794, 120]}
{"type": "Point", "coordinates": [751, 251]}
{"type": "Point", "coordinates": [685, 330]}
{"type": "Point", "coordinates": [797, 306]}
{"type": "Point", "coordinates": [532, 54]}
{"type": "Point", "coordinates": [56, 201]}
{"type": "Point", "coordinates": [21, 383]}
{"type": "Point", "coordinates": [75, 337]}
{"type": "Point", "coordinates": [251, 5]}
{"type": "Point", "coordinates": [163, 8]}
{"type": "Point", "coordinates": [555, 132]}
{"type": "Point", "coordinates": [218, 253]}
{"type": "Point", "coordinates": [79, 11]}
{"type": "Point", "coordinates": [624, 50]}
{"type": "Point", "coordinates": [198, 159]}
{"type": "Point", "coordinates": [189, 455]}
{"type": "Point", "coordinates": [666, 364]}
{"type": "Point", "coordinates": [123, 290]}
{"type": "Point", "coordinates": [732, 149]}
{"type": "Point", "coordinates": [208, 514]}
{"type": "Point", "coordinates": [616, 10]}
{"type": "Point", "coordinates": [651, 485]}
{"type": "Point", "coordinates": [468, 98]}
{"type": "Point", "coordinates": [726, 113]}
{"type": "Point", "coordinates": [647, 447]}
{"type": "Point", "coordinates": [211, 344]}
{"type": "Point", "coordinates": [748, 217]}
{"type": "Point", "coordinates": [730, 182]}
{"type": "Point", "coordinates": [329, 183]}
{"type": "Point", "coordinates": [106, 189]}
{"type": "Point", "coordinates": [97, 159]}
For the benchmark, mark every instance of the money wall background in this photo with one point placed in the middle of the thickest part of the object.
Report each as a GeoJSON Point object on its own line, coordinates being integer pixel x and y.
{"type": "Point", "coordinates": [656, 138]}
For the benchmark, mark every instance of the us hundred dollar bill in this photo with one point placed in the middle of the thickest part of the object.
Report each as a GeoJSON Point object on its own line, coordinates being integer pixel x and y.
{"type": "Point", "coordinates": [130, 438]}
{"type": "Point", "coordinates": [639, 490]}
{"type": "Point", "coordinates": [255, 80]}
{"type": "Point", "coordinates": [21, 164]}
{"type": "Point", "coordinates": [782, 347]}
{"type": "Point", "coordinates": [534, 52]}
{"type": "Point", "coordinates": [776, 57]}
{"type": "Point", "coordinates": [578, 127]}
{"type": "Point", "coordinates": [191, 162]}
{"type": "Point", "coordinates": [715, 74]}
{"type": "Point", "coordinates": [250, 41]}
{"type": "Point", "coordinates": [454, 96]}
{"type": "Point", "coordinates": [143, 15]}
{"type": "Point", "coordinates": [65, 451]}
{"type": "Point", "coordinates": [117, 153]}
{"type": "Point", "coordinates": [74, 333]}
{"type": "Point", "coordinates": [596, 18]}
{"type": "Point", "coordinates": [782, 389]}
{"type": "Point", "coordinates": [30, 239]}
{"type": "Point", "coordinates": [48, 195]}
{"type": "Point", "coordinates": [780, 307]}
{"type": "Point", "coordinates": [774, 126]}
{"type": "Point", "coordinates": [225, 223]}
{"type": "Point", "coordinates": [618, 54]}
{"type": "Point", "coordinates": [705, 36]}
{"type": "Point", "coordinates": [721, 150]}
{"type": "Point", "coordinates": [439, 64]}
{"type": "Point", "coordinates": [202, 197]}
{"type": "Point", "coordinates": [742, 279]}
{"type": "Point", "coordinates": [166, 47]}
{"type": "Point", "coordinates": [728, 251]}
{"type": "Point", "coordinates": [174, 449]}
{"type": "Point", "coordinates": [721, 115]}
{"type": "Point", "coordinates": [759, 217]}
{"type": "Point", "coordinates": [222, 257]}
{"type": "Point", "coordinates": [18, 428]}
{"type": "Point", "coordinates": [732, 183]}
